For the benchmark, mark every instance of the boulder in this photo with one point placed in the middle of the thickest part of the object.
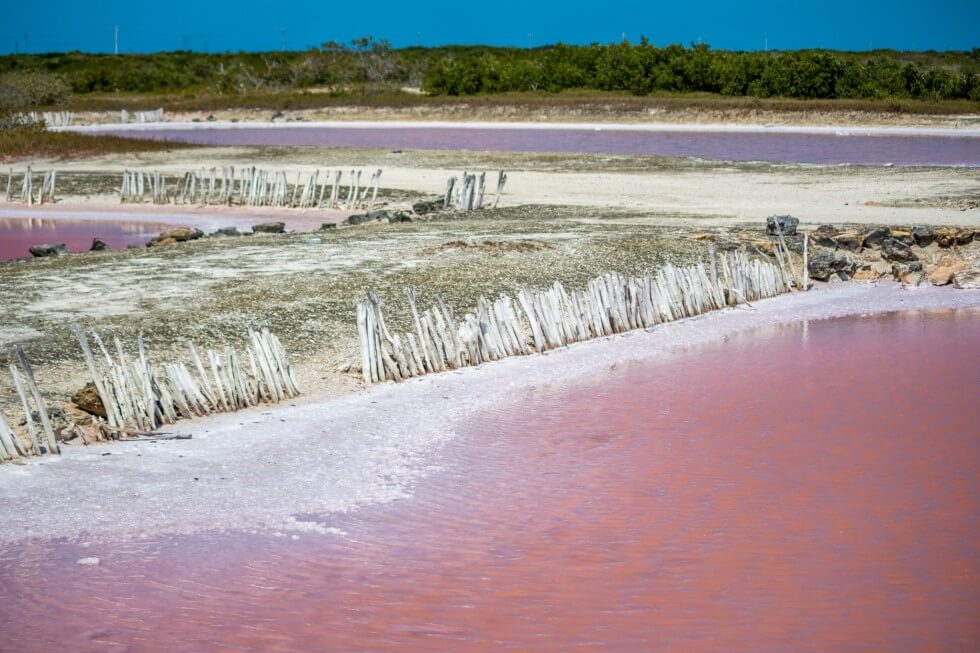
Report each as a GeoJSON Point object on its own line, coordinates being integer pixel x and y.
{"type": "Point", "coordinates": [911, 278]}
{"type": "Point", "coordinates": [88, 400]}
{"type": "Point", "coordinates": [43, 251]}
{"type": "Point", "coordinates": [784, 224]}
{"type": "Point", "coordinates": [226, 231]}
{"type": "Point", "coordinates": [896, 250]}
{"type": "Point", "coordinates": [965, 236]}
{"type": "Point", "coordinates": [428, 206]}
{"type": "Point", "coordinates": [876, 237]}
{"type": "Point", "coordinates": [873, 271]}
{"type": "Point", "coordinates": [967, 279]}
{"type": "Point", "coordinates": [945, 236]}
{"type": "Point", "coordinates": [849, 241]}
{"type": "Point", "coordinates": [923, 236]}
{"type": "Point", "coordinates": [269, 228]}
{"type": "Point", "coordinates": [177, 235]}
{"type": "Point", "coordinates": [98, 245]}
{"type": "Point", "coordinates": [328, 225]}
{"type": "Point", "coordinates": [941, 276]}
{"type": "Point", "coordinates": [826, 262]}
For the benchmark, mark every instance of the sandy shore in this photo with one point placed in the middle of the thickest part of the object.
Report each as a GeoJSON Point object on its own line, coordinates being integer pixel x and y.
{"type": "Point", "coordinates": [263, 468]}
{"type": "Point", "coordinates": [956, 132]}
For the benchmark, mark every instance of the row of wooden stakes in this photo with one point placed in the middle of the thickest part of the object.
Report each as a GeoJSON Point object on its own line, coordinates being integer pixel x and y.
{"type": "Point", "coordinates": [541, 320]}
{"type": "Point", "coordinates": [44, 194]}
{"type": "Point", "coordinates": [467, 195]}
{"type": "Point", "coordinates": [139, 396]}
{"type": "Point", "coordinates": [251, 186]}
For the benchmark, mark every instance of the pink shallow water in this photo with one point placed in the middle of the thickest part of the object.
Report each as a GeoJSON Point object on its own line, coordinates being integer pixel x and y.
{"type": "Point", "coordinates": [812, 488]}
{"type": "Point", "coordinates": [17, 235]}
{"type": "Point", "coordinates": [899, 149]}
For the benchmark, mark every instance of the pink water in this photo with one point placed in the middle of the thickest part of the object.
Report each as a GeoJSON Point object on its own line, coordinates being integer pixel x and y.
{"type": "Point", "coordinates": [17, 235]}
{"type": "Point", "coordinates": [899, 149]}
{"type": "Point", "coordinates": [812, 488]}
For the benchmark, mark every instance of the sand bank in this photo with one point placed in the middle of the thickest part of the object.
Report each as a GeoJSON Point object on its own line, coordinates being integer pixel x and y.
{"type": "Point", "coordinates": [263, 467]}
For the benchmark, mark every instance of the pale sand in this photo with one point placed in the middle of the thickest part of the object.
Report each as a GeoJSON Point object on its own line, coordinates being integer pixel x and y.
{"type": "Point", "coordinates": [264, 467]}
{"type": "Point", "coordinates": [712, 196]}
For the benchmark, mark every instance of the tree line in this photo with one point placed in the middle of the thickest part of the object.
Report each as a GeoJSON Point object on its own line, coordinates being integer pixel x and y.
{"type": "Point", "coordinates": [643, 68]}
{"type": "Point", "coordinates": [640, 69]}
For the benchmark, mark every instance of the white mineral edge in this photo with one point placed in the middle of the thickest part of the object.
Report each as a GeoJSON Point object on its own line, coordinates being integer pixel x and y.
{"type": "Point", "coordinates": [259, 468]}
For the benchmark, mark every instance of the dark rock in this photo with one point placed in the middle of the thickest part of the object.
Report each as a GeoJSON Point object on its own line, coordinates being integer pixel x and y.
{"type": "Point", "coordinates": [896, 250]}
{"type": "Point", "coordinates": [850, 242]}
{"type": "Point", "coordinates": [428, 206]}
{"type": "Point", "coordinates": [826, 262]}
{"type": "Point", "coordinates": [211, 118]}
{"type": "Point", "coordinates": [785, 224]}
{"type": "Point", "coordinates": [88, 399]}
{"type": "Point", "coordinates": [965, 236]}
{"type": "Point", "coordinates": [358, 218]}
{"type": "Point", "coordinates": [923, 236]}
{"type": "Point", "coordinates": [226, 231]}
{"type": "Point", "coordinates": [824, 235]}
{"type": "Point", "coordinates": [370, 216]}
{"type": "Point", "coordinates": [98, 245]}
{"type": "Point", "coordinates": [903, 235]}
{"type": "Point", "coordinates": [328, 225]}
{"type": "Point", "coordinates": [178, 235]}
{"type": "Point", "coordinates": [278, 116]}
{"type": "Point", "coordinates": [874, 238]}
{"type": "Point", "coordinates": [42, 251]}
{"type": "Point", "coordinates": [401, 216]}
{"type": "Point", "coordinates": [914, 266]}
{"type": "Point", "coordinates": [269, 228]}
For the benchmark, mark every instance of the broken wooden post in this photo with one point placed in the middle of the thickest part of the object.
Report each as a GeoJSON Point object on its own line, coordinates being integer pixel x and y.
{"type": "Point", "coordinates": [38, 400]}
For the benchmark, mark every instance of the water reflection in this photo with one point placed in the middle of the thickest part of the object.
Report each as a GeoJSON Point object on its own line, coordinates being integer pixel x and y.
{"type": "Point", "coordinates": [17, 235]}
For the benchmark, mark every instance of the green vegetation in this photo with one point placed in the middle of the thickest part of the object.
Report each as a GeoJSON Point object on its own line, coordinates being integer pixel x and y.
{"type": "Point", "coordinates": [35, 142]}
{"type": "Point", "coordinates": [643, 69]}
{"type": "Point", "coordinates": [368, 69]}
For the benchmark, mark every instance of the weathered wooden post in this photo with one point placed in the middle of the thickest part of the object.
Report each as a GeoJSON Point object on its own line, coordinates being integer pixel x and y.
{"type": "Point", "coordinates": [501, 180]}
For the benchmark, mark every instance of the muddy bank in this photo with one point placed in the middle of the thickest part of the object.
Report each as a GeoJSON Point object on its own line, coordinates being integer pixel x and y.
{"type": "Point", "coordinates": [373, 446]}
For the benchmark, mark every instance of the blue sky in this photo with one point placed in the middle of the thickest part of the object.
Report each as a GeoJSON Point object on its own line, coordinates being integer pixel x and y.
{"type": "Point", "coordinates": [254, 25]}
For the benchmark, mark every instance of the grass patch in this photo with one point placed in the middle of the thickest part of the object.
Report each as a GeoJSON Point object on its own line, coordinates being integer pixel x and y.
{"type": "Point", "coordinates": [23, 143]}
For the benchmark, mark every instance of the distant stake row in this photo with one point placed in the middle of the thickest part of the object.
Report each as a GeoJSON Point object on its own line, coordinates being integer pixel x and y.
{"type": "Point", "coordinates": [27, 195]}
{"type": "Point", "coordinates": [251, 186]}
{"type": "Point", "coordinates": [468, 194]}
{"type": "Point", "coordinates": [541, 320]}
